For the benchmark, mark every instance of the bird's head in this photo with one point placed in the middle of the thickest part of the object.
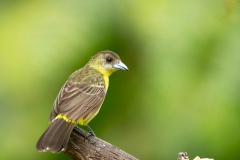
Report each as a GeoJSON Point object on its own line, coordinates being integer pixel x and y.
{"type": "Point", "coordinates": [107, 62]}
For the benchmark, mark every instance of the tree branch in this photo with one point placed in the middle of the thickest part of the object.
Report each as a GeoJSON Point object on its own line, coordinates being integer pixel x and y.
{"type": "Point", "coordinates": [93, 148]}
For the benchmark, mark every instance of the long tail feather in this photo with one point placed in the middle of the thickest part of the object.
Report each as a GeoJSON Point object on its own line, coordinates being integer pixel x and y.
{"type": "Point", "coordinates": [55, 138]}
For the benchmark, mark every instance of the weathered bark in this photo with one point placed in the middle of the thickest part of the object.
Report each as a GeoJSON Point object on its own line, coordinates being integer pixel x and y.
{"type": "Point", "coordinates": [93, 148]}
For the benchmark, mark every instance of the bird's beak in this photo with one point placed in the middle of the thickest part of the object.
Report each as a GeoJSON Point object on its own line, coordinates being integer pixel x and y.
{"type": "Point", "coordinates": [120, 65]}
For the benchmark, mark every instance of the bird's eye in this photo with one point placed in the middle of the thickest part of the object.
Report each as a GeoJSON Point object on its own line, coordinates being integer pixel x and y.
{"type": "Point", "coordinates": [109, 59]}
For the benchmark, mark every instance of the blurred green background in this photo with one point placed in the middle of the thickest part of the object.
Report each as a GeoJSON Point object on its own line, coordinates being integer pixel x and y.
{"type": "Point", "coordinates": [182, 92]}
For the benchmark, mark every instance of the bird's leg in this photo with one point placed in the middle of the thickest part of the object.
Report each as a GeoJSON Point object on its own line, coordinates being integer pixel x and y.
{"type": "Point", "coordinates": [85, 134]}
{"type": "Point", "coordinates": [91, 132]}
{"type": "Point", "coordinates": [80, 131]}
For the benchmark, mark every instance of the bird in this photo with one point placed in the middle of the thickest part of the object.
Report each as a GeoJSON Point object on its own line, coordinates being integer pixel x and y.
{"type": "Point", "coordinates": [79, 100]}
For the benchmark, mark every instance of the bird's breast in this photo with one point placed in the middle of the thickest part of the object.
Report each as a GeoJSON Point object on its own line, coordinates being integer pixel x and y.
{"type": "Point", "coordinates": [106, 80]}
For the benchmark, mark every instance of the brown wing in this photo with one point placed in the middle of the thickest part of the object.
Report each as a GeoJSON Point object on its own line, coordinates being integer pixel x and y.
{"type": "Point", "coordinates": [78, 101]}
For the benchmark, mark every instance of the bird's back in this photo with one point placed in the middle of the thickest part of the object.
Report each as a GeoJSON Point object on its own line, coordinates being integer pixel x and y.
{"type": "Point", "coordinates": [80, 97]}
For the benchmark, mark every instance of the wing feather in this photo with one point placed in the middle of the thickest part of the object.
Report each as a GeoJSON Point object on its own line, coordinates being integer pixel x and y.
{"type": "Point", "coordinates": [78, 101]}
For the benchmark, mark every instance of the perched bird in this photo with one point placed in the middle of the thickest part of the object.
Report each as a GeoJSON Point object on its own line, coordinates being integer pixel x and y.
{"type": "Point", "coordinates": [79, 100]}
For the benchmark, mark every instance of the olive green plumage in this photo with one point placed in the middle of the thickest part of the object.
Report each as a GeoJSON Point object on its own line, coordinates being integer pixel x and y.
{"type": "Point", "coordinates": [79, 100]}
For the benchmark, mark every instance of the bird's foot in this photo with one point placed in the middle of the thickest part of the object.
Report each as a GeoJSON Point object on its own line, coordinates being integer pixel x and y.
{"type": "Point", "coordinates": [90, 135]}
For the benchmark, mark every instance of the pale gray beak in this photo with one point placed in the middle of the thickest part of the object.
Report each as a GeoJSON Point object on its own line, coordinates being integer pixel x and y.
{"type": "Point", "coordinates": [120, 65]}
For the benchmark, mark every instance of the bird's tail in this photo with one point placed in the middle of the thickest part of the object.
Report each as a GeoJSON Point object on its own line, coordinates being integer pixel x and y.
{"type": "Point", "coordinates": [55, 138]}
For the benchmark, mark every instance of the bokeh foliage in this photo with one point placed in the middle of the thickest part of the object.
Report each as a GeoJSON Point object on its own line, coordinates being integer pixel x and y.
{"type": "Point", "coordinates": [181, 93]}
